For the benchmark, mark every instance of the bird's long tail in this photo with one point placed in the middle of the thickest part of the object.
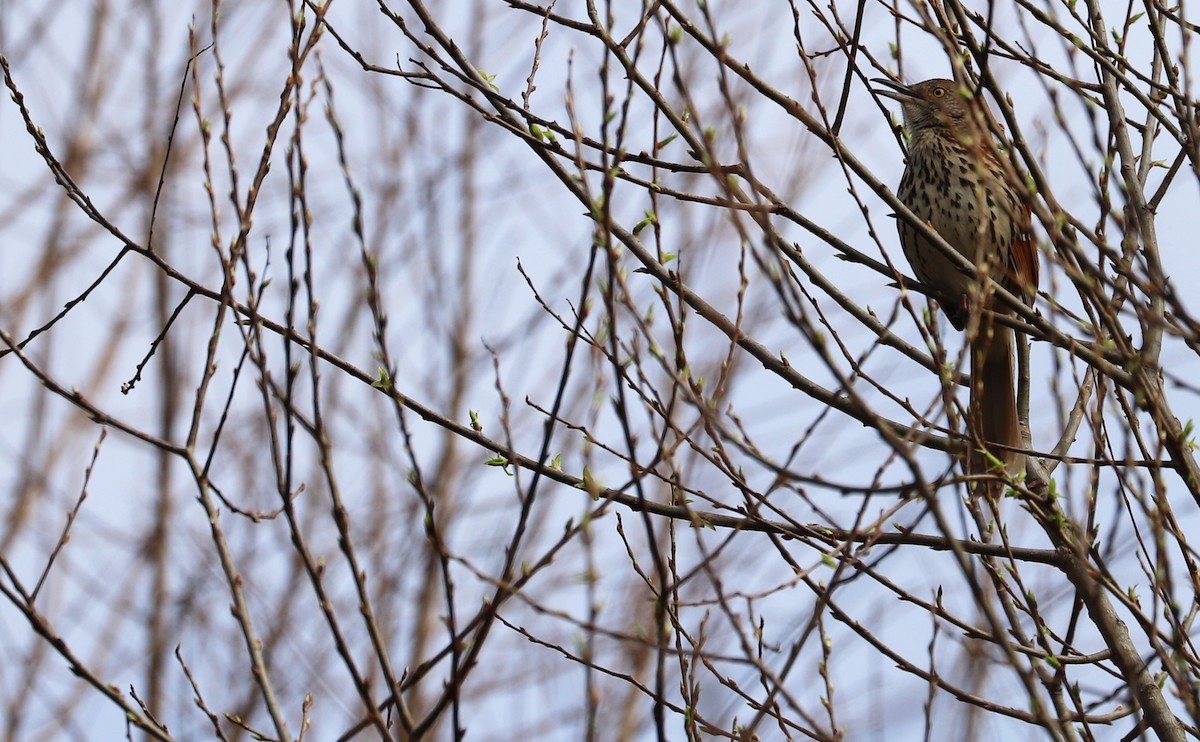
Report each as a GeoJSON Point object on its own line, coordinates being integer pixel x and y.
{"type": "Point", "coordinates": [992, 416]}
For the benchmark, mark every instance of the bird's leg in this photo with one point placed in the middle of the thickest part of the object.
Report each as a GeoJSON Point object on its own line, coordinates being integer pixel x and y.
{"type": "Point", "coordinates": [964, 301]}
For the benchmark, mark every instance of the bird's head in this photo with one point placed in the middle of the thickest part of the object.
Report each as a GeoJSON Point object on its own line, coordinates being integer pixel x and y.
{"type": "Point", "coordinates": [932, 104]}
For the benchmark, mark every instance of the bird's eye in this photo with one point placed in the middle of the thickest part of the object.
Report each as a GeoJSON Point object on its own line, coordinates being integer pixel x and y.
{"type": "Point", "coordinates": [939, 92]}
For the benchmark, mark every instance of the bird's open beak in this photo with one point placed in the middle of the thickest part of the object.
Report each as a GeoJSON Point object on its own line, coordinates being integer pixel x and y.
{"type": "Point", "coordinates": [893, 90]}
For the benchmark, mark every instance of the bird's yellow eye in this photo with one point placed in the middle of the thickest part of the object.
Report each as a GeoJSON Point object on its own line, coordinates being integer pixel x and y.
{"type": "Point", "coordinates": [939, 92]}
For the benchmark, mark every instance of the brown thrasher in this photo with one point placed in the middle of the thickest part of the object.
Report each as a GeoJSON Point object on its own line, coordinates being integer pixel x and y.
{"type": "Point", "coordinates": [955, 182]}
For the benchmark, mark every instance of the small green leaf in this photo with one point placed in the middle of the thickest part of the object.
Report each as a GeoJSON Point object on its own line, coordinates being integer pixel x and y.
{"type": "Point", "coordinates": [650, 219]}
{"type": "Point", "coordinates": [544, 135]}
{"type": "Point", "coordinates": [384, 380]}
{"type": "Point", "coordinates": [490, 80]}
{"type": "Point", "coordinates": [501, 462]}
{"type": "Point", "coordinates": [590, 484]}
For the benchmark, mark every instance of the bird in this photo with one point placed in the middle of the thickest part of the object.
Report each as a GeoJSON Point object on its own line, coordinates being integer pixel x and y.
{"type": "Point", "coordinates": [955, 181]}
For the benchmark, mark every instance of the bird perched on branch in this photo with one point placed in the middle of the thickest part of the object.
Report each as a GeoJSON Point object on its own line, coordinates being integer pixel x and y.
{"type": "Point", "coordinates": [955, 182]}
